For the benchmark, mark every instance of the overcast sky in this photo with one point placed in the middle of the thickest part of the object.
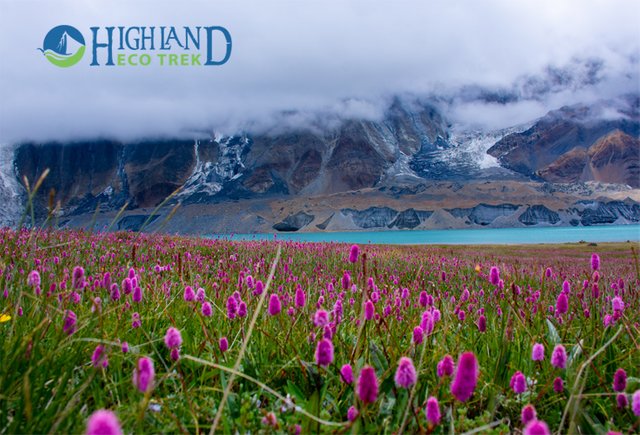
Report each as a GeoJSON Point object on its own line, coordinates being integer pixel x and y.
{"type": "Point", "coordinates": [334, 57]}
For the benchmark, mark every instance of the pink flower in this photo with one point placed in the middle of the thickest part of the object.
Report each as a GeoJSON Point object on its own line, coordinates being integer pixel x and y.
{"type": "Point", "coordinates": [242, 309]}
{"type": "Point", "coordinates": [259, 288]}
{"type": "Point", "coordinates": [324, 352]}
{"type": "Point", "coordinates": [622, 401]}
{"type": "Point", "coordinates": [367, 387]}
{"type": "Point", "coordinates": [99, 358]}
{"type": "Point", "coordinates": [405, 375]}
{"type": "Point", "coordinates": [617, 304]}
{"type": "Point", "coordinates": [126, 286]}
{"type": "Point", "coordinates": [619, 380]}
{"type": "Point", "coordinates": [559, 357]}
{"type": "Point", "coordinates": [137, 294]}
{"type": "Point", "coordinates": [346, 280]}
{"type": "Point", "coordinates": [418, 335]}
{"type": "Point", "coordinates": [369, 310]}
{"type": "Point", "coordinates": [135, 320]}
{"type": "Point", "coordinates": [115, 292]}
{"type": "Point", "coordinates": [173, 338]}
{"type": "Point", "coordinates": [528, 414]}
{"type": "Point", "coordinates": [518, 383]}
{"type": "Point", "coordinates": [320, 318]}
{"type": "Point", "coordinates": [494, 276]}
{"type": "Point", "coordinates": [189, 295]}
{"type": "Point", "coordinates": [562, 304]}
{"type": "Point", "coordinates": [69, 325]}
{"type": "Point", "coordinates": [353, 253]}
{"type": "Point", "coordinates": [232, 307]}
{"type": "Point", "coordinates": [595, 262]}
{"type": "Point", "coordinates": [346, 373]}
{"type": "Point", "coordinates": [103, 422]}
{"type": "Point", "coordinates": [77, 278]}
{"type": "Point", "coordinates": [200, 295]}
{"type": "Point", "coordinates": [300, 298]}
{"type": "Point", "coordinates": [125, 347]}
{"type": "Point", "coordinates": [536, 427]}
{"type": "Point", "coordinates": [432, 411]}
{"type": "Point", "coordinates": [143, 374]}
{"type": "Point", "coordinates": [206, 309]}
{"type": "Point", "coordinates": [558, 385]}
{"type": "Point", "coordinates": [33, 279]}
{"type": "Point", "coordinates": [274, 304]}
{"type": "Point", "coordinates": [352, 413]}
{"type": "Point", "coordinates": [537, 353]}
{"type": "Point", "coordinates": [482, 323]}
{"type": "Point", "coordinates": [224, 344]}
{"type": "Point", "coordinates": [635, 403]}
{"type": "Point", "coordinates": [423, 299]}
{"type": "Point", "coordinates": [466, 377]}
{"type": "Point", "coordinates": [445, 366]}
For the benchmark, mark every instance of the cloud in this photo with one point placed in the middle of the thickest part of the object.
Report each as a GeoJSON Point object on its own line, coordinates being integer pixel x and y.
{"type": "Point", "coordinates": [315, 62]}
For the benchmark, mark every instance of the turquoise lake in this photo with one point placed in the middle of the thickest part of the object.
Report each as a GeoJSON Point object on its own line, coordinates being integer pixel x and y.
{"type": "Point", "coordinates": [595, 234]}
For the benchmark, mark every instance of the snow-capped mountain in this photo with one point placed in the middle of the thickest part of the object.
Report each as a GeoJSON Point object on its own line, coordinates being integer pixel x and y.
{"type": "Point", "coordinates": [409, 149]}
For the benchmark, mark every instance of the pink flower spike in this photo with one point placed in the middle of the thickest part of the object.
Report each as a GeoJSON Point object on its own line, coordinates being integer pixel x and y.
{"type": "Point", "coordinates": [346, 373]}
{"type": "Point", "coordinates": [518, 383]}
{"type": "Point", "coordinates": [367, 387]}
{"type": "Point", "coordinates": [369, 310]}
{"type": "Point", "coordinates": [353, 253]}
{"type": "Point", "coordinates": [619, 380]}
{"type": "Point", "coordinates": [405, 375]}
{"type": "Point", "coordinates": [537, 353]}
{"type": "Point", "coordinates": [536, 427]}
{"type": "Point", "coordinates": [558, 385]}
{"type": "Point", "coordinates": [173, 338]}
{"type": "Point", "coordinates": [352, 413]}
{"type": "Point", "coordinates": [445, 366]}
{"type": "Point", "coordinates": [466, 377]}
{"type": "Point", "coordinates": [224, 344]}
{"type": "Point", "coordinates": [432, 411]}
{"type": "Point", "coordinates": [528, 414]}
{"type": "Point", "coordinates": [274, 304]}
{"type": "Point", "coordinates": [324, 352]}
{"type": "Point", "coordinates": [559, 357]}
{"type": "Point", "coordinates": [143, 374]}
{"type": "Point", "coordinates": [635, 403]}
{"type": "Point", "coordinates": [103, 422]}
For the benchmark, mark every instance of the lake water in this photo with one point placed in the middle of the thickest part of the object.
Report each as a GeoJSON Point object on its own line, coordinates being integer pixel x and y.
{"type": "Point", "coordinates": [607, 233]}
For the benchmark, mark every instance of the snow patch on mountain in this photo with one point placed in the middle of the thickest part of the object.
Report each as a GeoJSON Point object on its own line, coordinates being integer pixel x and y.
{"type": "Point", "coordinates": [208, 177]}
{"type": "Point", "coordinates": [471, 146]}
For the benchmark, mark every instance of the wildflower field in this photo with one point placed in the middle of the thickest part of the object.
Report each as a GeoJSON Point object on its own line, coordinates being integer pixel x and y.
{"type": "Point", "coordinates": [133, 333]}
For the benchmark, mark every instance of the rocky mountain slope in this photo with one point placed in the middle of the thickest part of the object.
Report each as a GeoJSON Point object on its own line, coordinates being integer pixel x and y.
{"type": "Point", "coordinates": [578, 143]}
{"type": "Point", "coordinates": [406, 170]}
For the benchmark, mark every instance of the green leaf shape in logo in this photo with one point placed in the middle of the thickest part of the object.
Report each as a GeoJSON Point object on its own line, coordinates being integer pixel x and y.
{"type": "Point", "coordinates": [64, 61]}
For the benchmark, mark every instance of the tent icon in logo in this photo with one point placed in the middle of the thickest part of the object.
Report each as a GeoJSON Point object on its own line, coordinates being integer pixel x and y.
{"type": "Point", "coordinates": [63, 46]}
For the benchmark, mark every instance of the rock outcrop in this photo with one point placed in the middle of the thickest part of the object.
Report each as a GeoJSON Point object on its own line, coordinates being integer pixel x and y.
{"type": "Point", "coordinates": [294, 222]}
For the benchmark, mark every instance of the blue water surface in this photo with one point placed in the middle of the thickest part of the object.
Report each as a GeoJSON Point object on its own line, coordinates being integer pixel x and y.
{"type": "Point", "coordinates": [484, 236]}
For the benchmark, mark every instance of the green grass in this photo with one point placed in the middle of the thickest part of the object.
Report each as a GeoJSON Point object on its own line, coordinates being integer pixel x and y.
{"type": "Point", "coordinates": [48, 383]}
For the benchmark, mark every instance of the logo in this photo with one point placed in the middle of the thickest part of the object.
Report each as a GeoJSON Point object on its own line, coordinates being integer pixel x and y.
{"type": "Point", "coordinates": [139, 46]}
{"type": "Point", "coordinates": [63, 46]}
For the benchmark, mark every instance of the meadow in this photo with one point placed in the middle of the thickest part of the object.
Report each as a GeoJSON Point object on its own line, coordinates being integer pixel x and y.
{"type": "Point", "coordinates": [141, 333]}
